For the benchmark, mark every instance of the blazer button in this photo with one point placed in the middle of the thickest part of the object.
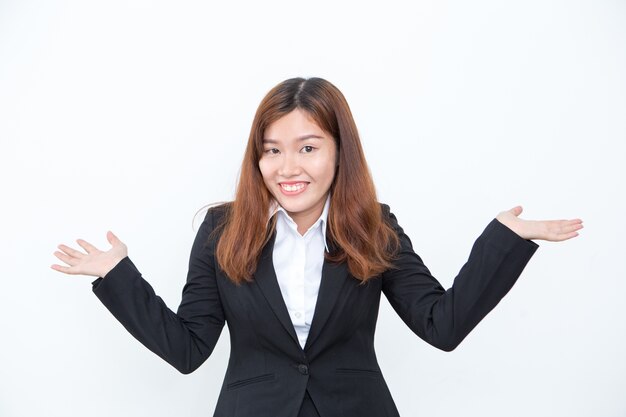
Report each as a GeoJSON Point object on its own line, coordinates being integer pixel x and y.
{"type": "Point", "coordinates": [303, 369]}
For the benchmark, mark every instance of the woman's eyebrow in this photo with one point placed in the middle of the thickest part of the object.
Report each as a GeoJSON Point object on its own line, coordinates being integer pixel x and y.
{"type": "Point", "coordinates": [305, 137]}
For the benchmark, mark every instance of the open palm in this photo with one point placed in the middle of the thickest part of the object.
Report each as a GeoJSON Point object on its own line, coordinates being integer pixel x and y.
{"type": "Point", "coordinates": [95, 262]}
{"type": "Point", "coordinates": [551, 230]}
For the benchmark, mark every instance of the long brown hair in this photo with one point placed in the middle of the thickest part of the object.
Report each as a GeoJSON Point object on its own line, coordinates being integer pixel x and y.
{"type": "Point", "coordinates": [357, 232]}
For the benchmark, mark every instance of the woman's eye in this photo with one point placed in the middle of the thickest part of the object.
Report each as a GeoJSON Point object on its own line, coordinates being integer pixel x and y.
{"type": "Point", "coordinates": [274, 151]}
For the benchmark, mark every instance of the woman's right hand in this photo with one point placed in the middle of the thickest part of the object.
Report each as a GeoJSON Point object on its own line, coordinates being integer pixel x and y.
{"type": "Point", "coordinates": [95, 262]}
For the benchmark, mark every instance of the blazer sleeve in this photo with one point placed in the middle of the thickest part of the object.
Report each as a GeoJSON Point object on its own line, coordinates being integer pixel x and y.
{"type": "Point", "coordinates": [184, 339]}
{"type": "Point", "coordinates": [443, 318]}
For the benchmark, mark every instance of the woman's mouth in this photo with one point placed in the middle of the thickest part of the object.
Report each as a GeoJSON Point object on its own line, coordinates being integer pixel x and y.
{"type": "Point", "coordinates": [294, 188]}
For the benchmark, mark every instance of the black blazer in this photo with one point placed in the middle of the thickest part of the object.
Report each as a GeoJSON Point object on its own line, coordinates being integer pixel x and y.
{"type": "Point", "coordinates": [268, 371]}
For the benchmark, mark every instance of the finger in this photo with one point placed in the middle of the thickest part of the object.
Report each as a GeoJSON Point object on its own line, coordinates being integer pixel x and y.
{"type": "Point", "coordinates": [87, 246]}
{"type": "Point", "coordinates": [64, 269]}
{"type": "Point", "coordinates": [572, 221]}
{"type": "Point", "coordinates": [66, 258]}
{"type": "Point", "coordinates": [577, 226]}
{"type": "Point", "coordinates": [567, 228]}
{"type": "Point", "coordinates": [567, 233]}
{"type": "Point", "coordinates": [112, 238]}
{"type": "Point", "coordinates": [562, 224]}
{"type": "Point", "coordinates": [569, 236]}
{"type": "Point", "coordinates": [71, 252]}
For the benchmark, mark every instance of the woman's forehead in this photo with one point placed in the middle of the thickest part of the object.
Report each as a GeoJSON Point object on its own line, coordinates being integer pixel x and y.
{"type": "Point", "coordinates": [296, 139]}
{"type": "Point", "coordinates": [294, 126]}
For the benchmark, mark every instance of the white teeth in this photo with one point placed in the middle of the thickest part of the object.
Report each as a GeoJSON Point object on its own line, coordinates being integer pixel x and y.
{"type": "Point", "coordinates": [294, 187]}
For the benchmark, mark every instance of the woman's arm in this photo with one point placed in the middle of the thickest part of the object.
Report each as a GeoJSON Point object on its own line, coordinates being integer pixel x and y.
{"type": "Point", "coordinates": [443, 318]}
{"type": "Point", "coordinates": [184, 339]}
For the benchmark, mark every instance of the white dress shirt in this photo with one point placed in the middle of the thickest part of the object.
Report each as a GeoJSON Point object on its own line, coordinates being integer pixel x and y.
{"type": "Point", "coordinates": [298, 261]}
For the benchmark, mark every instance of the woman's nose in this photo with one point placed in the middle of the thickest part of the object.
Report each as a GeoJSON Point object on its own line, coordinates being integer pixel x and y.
{"type": "Point", "coordinates": [290, 165]}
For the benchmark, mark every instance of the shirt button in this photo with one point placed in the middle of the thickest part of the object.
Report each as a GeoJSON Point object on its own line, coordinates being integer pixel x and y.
{"type": "Point", "coordinates": [303, 369]}
{"type": "Point", "coordinates": [298, 315]}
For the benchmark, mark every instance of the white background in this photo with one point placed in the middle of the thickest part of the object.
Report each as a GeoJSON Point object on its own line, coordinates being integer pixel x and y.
{"type": "Point", "coordinates": [131, 115]}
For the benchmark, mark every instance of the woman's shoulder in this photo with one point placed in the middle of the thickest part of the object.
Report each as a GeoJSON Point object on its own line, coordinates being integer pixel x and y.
{"type": "Point", "coordinates": [216, 211]}
{"type": "Point", "coordinates": [221, 207]}
{"type": "Point", "coordinates": [388, 216]}
{"type": "Point", "coordinates": [385, 210]}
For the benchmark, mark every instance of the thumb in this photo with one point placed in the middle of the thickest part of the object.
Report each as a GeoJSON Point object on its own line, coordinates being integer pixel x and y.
{"type": "Point", "coordinates": [113, 240]}
{"type": "Point", "coordinates": [517, 210]}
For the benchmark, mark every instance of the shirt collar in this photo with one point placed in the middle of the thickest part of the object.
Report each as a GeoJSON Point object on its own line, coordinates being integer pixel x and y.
{"type": "Point", "coordinates": [275, 207]}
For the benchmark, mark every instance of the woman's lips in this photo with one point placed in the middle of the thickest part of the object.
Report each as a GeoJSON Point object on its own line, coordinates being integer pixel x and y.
{"type": "Point", "coordinates": [293, 188]}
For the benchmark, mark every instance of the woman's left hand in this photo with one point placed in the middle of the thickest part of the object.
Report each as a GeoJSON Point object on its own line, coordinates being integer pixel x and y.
{"type": "Point", "coordinates": [551, 230]}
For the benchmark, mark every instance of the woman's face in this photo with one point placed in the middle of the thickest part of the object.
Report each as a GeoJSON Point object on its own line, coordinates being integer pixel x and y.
{"type": "Point", "coordinates": [298, 166]}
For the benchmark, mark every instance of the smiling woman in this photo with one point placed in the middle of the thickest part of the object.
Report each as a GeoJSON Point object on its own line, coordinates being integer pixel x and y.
{"type": "Point", "coordinates": [303, 148]}
{"type": "Point", "coordinates": [299, 169]}
{"type": "Point", "coordinates": [296, 265]}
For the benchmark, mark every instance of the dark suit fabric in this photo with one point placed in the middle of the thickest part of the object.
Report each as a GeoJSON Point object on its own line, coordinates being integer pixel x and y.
{"type": "Point", "coordinates": [307, 409]}
{"type": "Point", "coordinates": [268, 372]}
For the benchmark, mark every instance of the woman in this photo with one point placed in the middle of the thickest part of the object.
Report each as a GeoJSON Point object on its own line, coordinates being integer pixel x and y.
{"type": "Point", "coordinates": [296, 265]}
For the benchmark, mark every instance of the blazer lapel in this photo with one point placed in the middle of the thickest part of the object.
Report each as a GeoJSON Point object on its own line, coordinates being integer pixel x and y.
{"type": "Point", "coordinates": [333, 278]}
{"type": "Point", "coordinates": [265, 277]}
